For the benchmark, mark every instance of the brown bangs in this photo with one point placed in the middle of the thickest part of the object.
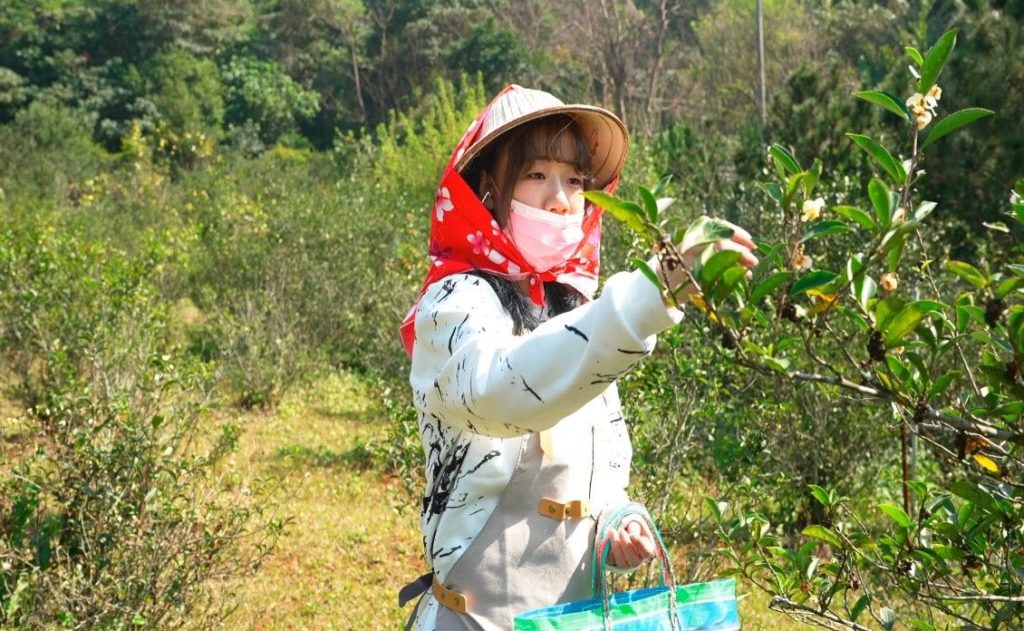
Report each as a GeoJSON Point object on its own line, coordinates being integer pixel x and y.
{"type": "Point", "coordinates": [556, 138]}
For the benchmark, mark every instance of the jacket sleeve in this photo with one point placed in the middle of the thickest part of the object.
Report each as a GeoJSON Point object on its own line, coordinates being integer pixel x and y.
{"type": "Point", "coordinates": [471, 372]}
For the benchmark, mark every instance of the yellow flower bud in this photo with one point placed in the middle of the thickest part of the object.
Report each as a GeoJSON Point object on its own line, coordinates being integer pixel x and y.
{"type": "Point", "coordinates": [935, 92]}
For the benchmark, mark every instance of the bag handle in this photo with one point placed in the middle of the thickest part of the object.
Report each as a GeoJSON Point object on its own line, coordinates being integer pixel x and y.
{"type": "Point", "coordinates": [602, 548]}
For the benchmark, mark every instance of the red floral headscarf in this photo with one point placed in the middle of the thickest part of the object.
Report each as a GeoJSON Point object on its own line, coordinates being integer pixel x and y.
{"type": "Point", "coordinates": [464, 236]}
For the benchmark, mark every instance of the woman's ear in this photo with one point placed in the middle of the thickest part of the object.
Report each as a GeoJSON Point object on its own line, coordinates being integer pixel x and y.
{"type": "Point", "coordinates": [486, 193]}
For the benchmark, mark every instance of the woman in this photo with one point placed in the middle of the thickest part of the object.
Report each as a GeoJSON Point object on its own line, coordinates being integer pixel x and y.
{"type": "Point", "coordinates": [514, 365]}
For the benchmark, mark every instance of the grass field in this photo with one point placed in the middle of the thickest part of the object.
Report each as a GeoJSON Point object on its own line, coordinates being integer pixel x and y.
{"type": "Point", "coordinates": [352, 540]}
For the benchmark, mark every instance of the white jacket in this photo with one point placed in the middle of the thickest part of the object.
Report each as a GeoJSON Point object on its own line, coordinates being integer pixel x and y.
{"type": "Point", "coordinates": [478, 389]}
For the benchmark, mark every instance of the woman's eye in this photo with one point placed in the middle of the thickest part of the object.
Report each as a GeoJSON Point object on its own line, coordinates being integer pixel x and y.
{"type": "Point", "coordinates": [576, 181]}
{"type": "Point", "coordinates": [535, 175]}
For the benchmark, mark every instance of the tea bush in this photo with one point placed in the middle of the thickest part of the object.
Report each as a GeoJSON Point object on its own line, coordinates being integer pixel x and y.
{"type": "Point", "coordinates": [111, 515]}
{"type": "Point", "coordinates": [927, 354]}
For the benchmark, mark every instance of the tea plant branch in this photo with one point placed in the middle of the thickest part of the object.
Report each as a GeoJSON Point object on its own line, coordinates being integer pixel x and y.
{"type": "Point", "coordinates": [785, 605]}
{"type": "Point", "coordinates": [928, 412]}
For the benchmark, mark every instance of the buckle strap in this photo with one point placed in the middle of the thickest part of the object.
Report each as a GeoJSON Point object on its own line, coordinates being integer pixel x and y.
{"type": "Point", "coordinates": [414, 588]}
{"type": "Point", "coordinates": [573, 509]}
{"type": "Point", "coordinates": [449, 598]}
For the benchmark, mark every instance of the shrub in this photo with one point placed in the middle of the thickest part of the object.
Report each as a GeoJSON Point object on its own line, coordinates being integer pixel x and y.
{"type": "Point", "coordinates": [114, 518]}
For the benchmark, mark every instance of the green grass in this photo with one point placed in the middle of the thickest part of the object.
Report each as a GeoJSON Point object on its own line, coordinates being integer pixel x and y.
{"type": "Point", "coordinates": [352, 535]}
{"type": "Point", "coordinates": [353, 539]}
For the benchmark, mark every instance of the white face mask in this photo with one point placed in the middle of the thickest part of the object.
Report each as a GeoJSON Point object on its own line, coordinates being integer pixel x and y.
{"type": "Point", "coordinates": [545, 239]}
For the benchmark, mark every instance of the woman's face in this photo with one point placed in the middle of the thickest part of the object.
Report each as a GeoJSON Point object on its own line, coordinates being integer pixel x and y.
{"type": "Point", "coordinates": [551, 185]}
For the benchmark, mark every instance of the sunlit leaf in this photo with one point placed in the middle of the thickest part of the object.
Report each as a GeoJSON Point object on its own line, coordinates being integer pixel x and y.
{"type": "Point", "coordinates": [915, 55]}
{"type": "Point", "coordinates": [896, 514]}
{"type": "Point", "coordinates": [822, 533]}
{"type": "Point", "coordinates": [626, 212]}
{"type": "Point", "coordinates": [864, 288]}
{"type": "Point", "coordinates": [886, 309]}
{"type": "Point", "coordinates": [882, 156]}
{"type": "Point", "coordinates": [935, 59]}
{"type": "Point", "coordinates": [879, 195]}
{"type": "Point", "coordinates": [886, 100]}
{"type": "Point", "coordinates": [852, 213]}
{"type": "Point", "coordinates": [650, 203]}
{"type": "Point", "coordinates": [825, 228]}
{"type": "Point", "coordinates": [716, 266]}
{"type": "Point", "coordinates": [703, 231]}
{"type": "Point", "coordinates": [784, 160]}
{"type": "Point", "coordinates": [820, 494]}
{"type": "Point", "coordinates": [955, 121]}
{"type": "Point", "coordinates": [642, 265]}
{"type": "Point", "coordinates": [901, 324]}
{"type": "Point", "coordinates": [967, 272]}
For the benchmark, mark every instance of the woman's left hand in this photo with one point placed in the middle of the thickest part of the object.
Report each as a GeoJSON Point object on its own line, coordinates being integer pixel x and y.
{"type": "Point", "coordinates": [632, 543]}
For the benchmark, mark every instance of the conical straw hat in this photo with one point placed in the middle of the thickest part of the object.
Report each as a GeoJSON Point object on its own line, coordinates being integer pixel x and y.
{"type": "Point", "coordinates": [604, 133]}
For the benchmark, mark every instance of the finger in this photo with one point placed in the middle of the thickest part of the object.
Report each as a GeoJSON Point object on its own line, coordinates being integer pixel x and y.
{"type": "Point", "coordinates": [617, 552]}
{"type": "Point", "coordinates": [747, 257]}
{"type": "Point", "coordinates": [630, 557]}
{"type": "Point", "coordinates": [740, 235]}
{"type": "Point", "coordinates": [648, 549]}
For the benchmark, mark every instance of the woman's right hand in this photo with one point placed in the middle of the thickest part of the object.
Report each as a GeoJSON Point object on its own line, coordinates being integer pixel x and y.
{"type": "Point", "coordinates": [678, 277]}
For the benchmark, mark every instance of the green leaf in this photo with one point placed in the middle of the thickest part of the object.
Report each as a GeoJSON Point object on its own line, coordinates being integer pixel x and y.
{"type": "Point", "coordinates": [1008, 285]}
{"type": "Point", "coordinates": [885, 310]}
{"type": "Point", "coordinates": [915, 55]}
{"type": "Point", "coordinates": [886, 100]}
{"type": "Point", "coordinates": [967, 272]}
{"type": "Point", "coordinates": [935, 59]}
{"type": "Point", "coordinates": [825, 228]}
{"type": "Point", "coordinates": [823, 534]}
{"type": "Point", "coordinates": [626, 212]}
{"type": "Point", "coordinates": [939, 385]}
{"type": "Point", "coordinates": [820, 494]}
{"type": "Point", "coordinates": [713, 508]}
{"type": "Point", "coordinates": [811, 280]}
{"type": "Point", "coordinates": [955, 121]}
{"type": "Point", "coordinates": [650, 204]}
{"type": "Point", "coordinates": [647, 271]}
{"type": "Point", "coordinates": [896, 514]}
{"type": "Point", "coordinates": [857, 215]}
{"type": "Point", "coordinates": [777, 363]}
{"type": "Point", "coordinates": [882, 156]}
{"type": "Point", "coordinates": [879, 195]}
{"type": "Point", "coordinates": [703, 231]}
{"type": "Point", "coordinates": [859, 607]}
{"type": "Point", "coordinates": [901, 324]}
{"type": "Point", "coordinates": [665, 202]}
{"type": "Point", "coordinates": [864, 288]}
{"type": "Point", "coordinates": [894, 250]}
{"type": "Point", "coordinates": [784, 160]}
{"type": "Point", "coordinates": [768, 285]}
{"type": "Point", "coordinates": [811, 177]}
{"type": "Point", "coordinates": [716, 266]}
{"type": "Point", "coordinates": [920, 625]}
